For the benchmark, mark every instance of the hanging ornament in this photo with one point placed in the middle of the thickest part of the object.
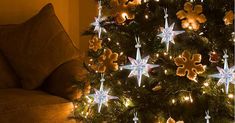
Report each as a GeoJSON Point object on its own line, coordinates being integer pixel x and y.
{"type": "Point", "coordinates": [168, 34]}
{"type": "Point", "coordinates": [228, 18]}
{"type": "Point", "coordinates": [101, 96]}
{"type": "Point", "coordinates": [171, 120]}
{"type": "Point", "coordinates": [95, 44]}
{"type": "Point", "coordinates": [107, 61]}
{"type": "Point", "coordinates": [189, 66]}
{"type": "Point", "coordinates": [139, 66]}
{"type": "Point", "coordinates": [135, 119]}
{"type": "Point", "coordinates": [191, 16]}
{"type": "Point", "coordinates": [98, 22]}
{"type": "Point", "coordinates": [207, 117]}
{"type": "Point", "coordinates": [214, 57]}
{"type": "Point", "coordinates": [225, 75]}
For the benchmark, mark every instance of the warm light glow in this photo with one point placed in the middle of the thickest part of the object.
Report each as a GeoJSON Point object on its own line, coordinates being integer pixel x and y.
{"type": "Point", "coordinates": [190, 27]}
{"type": "Point", "coordinates": [146, 16]}
{"type": "Point", "coordinates": [165, 71]}
{"type": "Point", "coordinates": [117, 43]}
{"type": "Point", "coordinates": [206, 84]}
{"type": "Point", "coordinates": [165, 53]}
{"type": "Point", "coordinates": [231, 96]}
{"type": "Point", "coordinates": [191, 100]}
{"type": "Point", "coordinates": [157, 0]}
{"type": "Point", "coordinates": [124, 15]}
{"type": "Point", "coordinates": [121, 53]}
{"type": "Point", "coordinates": [186, 98]}
{"type": "Point", "coordinates": [127, 102]}
{"type": "Point", "coordinates": [173, 101]}
{"type": "Point", "coordinates": [170, 57]}
{"type": "Point", "coordinates": [157, 55]}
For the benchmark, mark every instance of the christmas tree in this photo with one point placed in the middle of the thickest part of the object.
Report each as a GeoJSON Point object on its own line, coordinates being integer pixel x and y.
{"type": "Point", "coordinates": [165, 60]}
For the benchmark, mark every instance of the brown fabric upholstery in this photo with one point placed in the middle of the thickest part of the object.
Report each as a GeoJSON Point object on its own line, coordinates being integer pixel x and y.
{"type": "Point", "coordinates": [61, 81]}
{"type": "Point", "coordinates": [8, 78]}
{"type": "Point", "coordinates": [24, 106]}
{"type": "Point", "coordinates": [37, 47]}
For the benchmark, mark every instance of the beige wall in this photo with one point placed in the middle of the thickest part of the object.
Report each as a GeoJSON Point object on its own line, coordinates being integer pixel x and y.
{"type": "Point", "coordinates": [75, 15]}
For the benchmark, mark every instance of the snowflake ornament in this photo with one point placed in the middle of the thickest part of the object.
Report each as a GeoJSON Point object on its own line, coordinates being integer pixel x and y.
{"type": "Point", "coordinates": [191, 16]}
{"type": "Point", "coordinates": [139, 66]}
{"type": "Point", "coordinates": [226, 75]}
{"type": "Point", "coordinates": [101, 96]}
{"type": "Point", "coordinates": [207, 117]}
{"type": "Point", "coordinates": [98, 22]}
{"type": "Point", "coordinates": [168, 34]}
{"type": "Point", "coordinates": [189, 65]}
{"type": "Point", "coordinates": [135, 119]}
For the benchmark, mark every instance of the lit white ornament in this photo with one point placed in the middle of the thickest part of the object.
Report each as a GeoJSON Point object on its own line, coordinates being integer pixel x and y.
{"type": "Point", "coordinates": [135, 119]}
{"type": "Point", "coordinates": [207, 117]}
{"type": "Point", "coordinates": [101, 96]}
{"type": "Point", "coordinates": [98, 20]}
{"type": "Point", "coordinates": [168, 34]}
{"type": "Point", "coordinates": [139, 66]}
{"type": "Point", "coordinates": [226, 75]}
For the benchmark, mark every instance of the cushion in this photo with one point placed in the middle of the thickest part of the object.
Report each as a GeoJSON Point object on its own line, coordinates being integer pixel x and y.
{"type": "Point", "coordinates": [68, 81]}
{"type": "Point", "coordinates": [37, 47]}
{"type": "Point", "coordinates": [27, 106]}
{"type": "Point", "coordinates": [8, 78]}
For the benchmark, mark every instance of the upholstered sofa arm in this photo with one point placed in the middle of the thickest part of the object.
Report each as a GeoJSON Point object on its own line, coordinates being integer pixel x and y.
{"type": "Point", "coordinates": [69, 80]}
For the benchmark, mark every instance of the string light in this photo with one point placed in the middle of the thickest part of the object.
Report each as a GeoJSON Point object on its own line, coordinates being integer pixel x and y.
{"type": "Point", "coordinates": [124, 15]}
{"type": "Point", "coordinates": [165, 71]}
{"type": "Point", "coordinates": [146, 17]}
{"type": "Point", "coordinates": [173, 101]}
{"type": "Point", "coordinates": [157, 55]}
{"type": "Point", "coordinates": [206, 84]}
{"type": "Point", "coordinates": [190, 27]}
{"type": "Point", "coordinates": [170, 57]}
{"type": "Point", "coordinates": [186, 98]}
{"type": "Point", "coordinates": [231, 96]}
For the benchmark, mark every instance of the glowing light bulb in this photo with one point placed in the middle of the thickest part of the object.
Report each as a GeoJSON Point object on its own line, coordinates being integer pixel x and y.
{"type": "Point", "coordinates": [146, 17]}
{"type": "Point", "coordinates": [165, 71]}
{"type": "Point", "coordinates": [206, 84]}
{"type": "Point", "coordinates": [170, 57]}
{"type": "Point", "coordinates": [173, 101]}
{"type": "Point", "coordinates": [124, 15]}
{"type": "Point", "coordinates": [230, 96]}
{"type": "Point", "coordinates": [190, 27]}
{"type": "Point", "coordinates": [157, 55]}
{"type": "Point", "coordinates": [186, 98]}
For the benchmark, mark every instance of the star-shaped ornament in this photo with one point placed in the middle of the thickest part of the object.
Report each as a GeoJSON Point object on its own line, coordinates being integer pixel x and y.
{"type": "Point", "coordinates": [98, 22]}
{"type": "Point", "coordinates": [168, 33]}
{"type": "Point", "coordinates": [139, 66]}
{"type": "Point", "coordinates": [102, 96]}
{"type": "Point", "coordinates": [226, 75]}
